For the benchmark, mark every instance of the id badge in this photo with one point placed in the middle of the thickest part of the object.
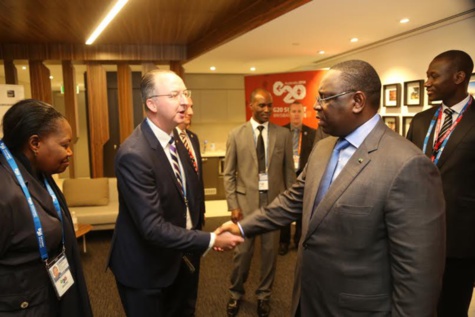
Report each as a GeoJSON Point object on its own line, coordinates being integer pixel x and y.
{"type": "Point", "coordinates": [60, 274]}
{"type": "Point", "coordinates": [263, 181]}
{"type": "Point", "coordinates": [296, 161]}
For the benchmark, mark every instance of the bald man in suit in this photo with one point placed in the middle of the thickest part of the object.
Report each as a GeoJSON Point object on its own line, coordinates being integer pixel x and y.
{"type": "Point", "coordinates": [250, 183]}
{"type": "Point", "coordinates": [373, 222]}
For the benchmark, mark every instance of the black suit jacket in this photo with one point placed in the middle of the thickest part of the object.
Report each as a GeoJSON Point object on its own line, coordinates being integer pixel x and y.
{"type": "Point", "coordinates": [194, 180]}
{"type": "Point", "coordinates": [308, 138]}
{"type": "Point", "coordinates": [150, 235]}
{"type": "Point", "coordinates": [457, 168]}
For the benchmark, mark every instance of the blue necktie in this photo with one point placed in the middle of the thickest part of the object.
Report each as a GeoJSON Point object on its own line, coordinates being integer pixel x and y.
{"type": "Point", "coordinates": [330, 170]}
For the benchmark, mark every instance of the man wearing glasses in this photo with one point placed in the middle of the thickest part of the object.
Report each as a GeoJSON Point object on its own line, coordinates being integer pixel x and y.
{"type": "Point", "coordinates": [372, 208]}
{"type": "Point", "coordinates": [158, 209]}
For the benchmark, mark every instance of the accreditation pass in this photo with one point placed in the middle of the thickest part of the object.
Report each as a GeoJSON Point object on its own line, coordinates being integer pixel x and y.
{"type": "Point", "coordinates": [263, 181]}
{"type": "Point", "coordinates": [60, 274]}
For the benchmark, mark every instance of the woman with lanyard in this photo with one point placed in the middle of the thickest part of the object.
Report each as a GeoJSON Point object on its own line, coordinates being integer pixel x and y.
{"type": "Point", "coordinates": [40, 268]}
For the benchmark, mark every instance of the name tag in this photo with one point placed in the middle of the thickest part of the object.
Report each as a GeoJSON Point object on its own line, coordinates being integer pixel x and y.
{"type": "Point", "coordinates": [263, 181]}
{"type": "Point", "coordinates": [60, 274]}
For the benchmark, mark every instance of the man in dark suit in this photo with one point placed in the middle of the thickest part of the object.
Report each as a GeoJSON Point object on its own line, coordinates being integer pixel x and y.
{"type": "Point", "coordinates": [302, 142]}
{"type": "Point", "coordinates": [157, 208]}
{"type": "Point", "coordinates": [372, 208]}
{"type": "Point", "coordinates": [257, 168]}
{"type": "Point", "coordinates": [446, 134]}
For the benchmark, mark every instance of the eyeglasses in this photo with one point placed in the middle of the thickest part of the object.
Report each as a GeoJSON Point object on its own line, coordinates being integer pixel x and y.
{"type": "Point", "coordinates": [321, 100]}
{"type": "Point", "coordinates": [175, 94]}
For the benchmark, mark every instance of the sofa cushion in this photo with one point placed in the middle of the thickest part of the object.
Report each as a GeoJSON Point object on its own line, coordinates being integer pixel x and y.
{"type": "Point", "coordinates": [86, 191]}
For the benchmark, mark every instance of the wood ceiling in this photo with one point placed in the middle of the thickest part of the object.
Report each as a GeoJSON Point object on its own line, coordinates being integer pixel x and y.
{"type": "Point", "coordinates": [153, 30]}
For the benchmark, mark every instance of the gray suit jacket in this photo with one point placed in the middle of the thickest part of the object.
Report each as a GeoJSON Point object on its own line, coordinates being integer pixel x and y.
{"type": "Point", "coordinates": [240, 168]}
{"type": "Point", "coordinates": [375, 244]}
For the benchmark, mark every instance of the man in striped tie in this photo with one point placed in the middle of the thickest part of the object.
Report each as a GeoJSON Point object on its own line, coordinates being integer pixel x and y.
{"type": "Point", "coordinates": [157, 243]}
{"type": "Point", "coordinates": [446, 134]}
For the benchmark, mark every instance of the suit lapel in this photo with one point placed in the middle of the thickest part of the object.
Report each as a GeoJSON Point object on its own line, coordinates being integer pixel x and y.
{"type": "Point", "coordinates": [464, 126]}
{"type": "Point", "coordinates": [271, 137]}
{"type": "Point", "coordinates": [360, 159]}
{"type": "Point", "coordinates": [249, 135]}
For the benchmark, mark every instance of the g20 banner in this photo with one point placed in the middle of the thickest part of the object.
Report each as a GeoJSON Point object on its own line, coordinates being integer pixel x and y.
{"type": "Point", "coordinates": [287, 88]}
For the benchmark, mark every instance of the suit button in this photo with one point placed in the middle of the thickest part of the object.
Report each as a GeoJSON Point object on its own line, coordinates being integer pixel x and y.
{"type": "Point", "coordinates": [24, 305]}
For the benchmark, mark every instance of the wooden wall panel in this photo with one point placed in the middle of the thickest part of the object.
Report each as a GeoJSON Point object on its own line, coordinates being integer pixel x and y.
{"type": "Point", "coordinates": [177, 67]}
{"type": "Point", "coordinates": [126, 107]}
{"type": "Point", "coordinates": [11, 75]}
{"type": "Point", "coordinates": [98, 116]}
{"type": "Point", "coordinates": [40, 82]}
{"type": "Point", "coordinates": [71, 107]}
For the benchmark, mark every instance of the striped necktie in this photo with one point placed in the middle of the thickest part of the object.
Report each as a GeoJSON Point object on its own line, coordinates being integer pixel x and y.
{"type": "Point", "coordinates": [447, 123]}
{"type": "Point", "coordinates": [184, 139]}
{"type": "Point", "coordinates": [175, 164]}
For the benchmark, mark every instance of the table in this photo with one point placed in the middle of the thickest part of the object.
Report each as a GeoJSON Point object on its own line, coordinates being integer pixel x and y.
{"type": "Point", "coordinates": [81, 232]}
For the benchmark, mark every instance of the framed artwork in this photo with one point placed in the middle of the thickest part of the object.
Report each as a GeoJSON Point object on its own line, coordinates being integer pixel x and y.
{"type": "Point", "coordinates": [392, 122]}
{"type": "Point", "coordinates": [471, 85]}
{"type": "Point", "coordinates": [391, 95]}
{"type": "Point", "coordinates": [406, 122]}
{"type": "Point", "coordinates": [414, 93]}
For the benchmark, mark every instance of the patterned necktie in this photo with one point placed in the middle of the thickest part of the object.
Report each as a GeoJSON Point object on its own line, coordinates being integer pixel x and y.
{"type": "Point", "coordinates": [330, 170]}
{"type": "Point", "coordinates": [184, 139]}
{"type": "Point", "coordinates": [295, 140]}
{"type": "Point", "coordinates": [261, 153]}
{"type": "Point", "coordinates": [175, 164]}
{"type": "Point", "coordinates": [447, 124]}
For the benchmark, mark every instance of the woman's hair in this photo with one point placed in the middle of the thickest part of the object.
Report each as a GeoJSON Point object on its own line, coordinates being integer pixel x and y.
{"type": "Point", "coordinates": [26, 118]}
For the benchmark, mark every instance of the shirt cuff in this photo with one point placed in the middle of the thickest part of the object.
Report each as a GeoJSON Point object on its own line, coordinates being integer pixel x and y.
{"type": "Point", "coordinates": [212, 238]}
{"type": "Point", "coordinates": [240, 229]}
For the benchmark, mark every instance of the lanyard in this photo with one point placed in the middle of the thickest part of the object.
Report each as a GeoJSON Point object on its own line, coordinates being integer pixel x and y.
{"type": "Point", "coordinates": [36, 220]}
{"type": "Point", "coordinates": [440, 144]}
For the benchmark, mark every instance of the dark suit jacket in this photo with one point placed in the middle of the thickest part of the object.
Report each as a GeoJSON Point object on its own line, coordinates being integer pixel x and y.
{"type": "Point", "coordinates": [308, 138]}
{"type": "Point", "coordinates": [150, 235]}
{"type": "Point", "coordinates": [23, 276]}
{"type": "Point", "coordinates": [457, 168]}
{"type": "Point", "coordinates": [194, 180]}
{"type": "Point", "coordinates": [374, 246]}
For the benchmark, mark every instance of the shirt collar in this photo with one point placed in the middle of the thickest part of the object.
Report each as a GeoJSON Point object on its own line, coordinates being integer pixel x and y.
{"type": "Point", "coordinates": [255, 124]}
{"type": "Point", "coordinates": [293, 127]}
{"type": "Point", "coordinates": [161, 135]}
{"type": "Point", "coordinates": [458, 106]}
{"type": "Point", "coordinates": [359, 135]}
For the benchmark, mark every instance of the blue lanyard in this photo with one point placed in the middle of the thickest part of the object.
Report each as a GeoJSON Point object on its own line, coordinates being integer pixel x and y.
{"type": "Point", "coordinates": [431, 126]}
{"type": "Point", "coordinates": [36, 220]}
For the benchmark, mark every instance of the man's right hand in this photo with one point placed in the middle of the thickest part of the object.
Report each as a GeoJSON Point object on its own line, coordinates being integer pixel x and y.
{"type": "Point", "coordinates": [236, 215]}
{"type": "Point", "coordinates": [226, 241]}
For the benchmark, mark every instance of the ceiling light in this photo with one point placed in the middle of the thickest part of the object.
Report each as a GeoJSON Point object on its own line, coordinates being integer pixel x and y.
{"type": "Point", "coordinates": [405, 20]}
{"type": "Point", "coordinates": [51, 77]}
{"type": "Point", "coordinates": [321, 52]}
{"type": "Point", "coordinates": [112, 13]}
{"type": "Point", "coordinates": [23, 67]}
{"type": "Point", "coordinates": [253, 69]}
{"type": "Point", "coordinates": [212, 68]}
{"type": "Point", "coordinates": [354, 40]}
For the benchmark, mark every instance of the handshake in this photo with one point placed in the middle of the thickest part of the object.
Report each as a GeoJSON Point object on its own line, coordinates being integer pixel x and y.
{"type": "Point", "coordinates": [228, 236]}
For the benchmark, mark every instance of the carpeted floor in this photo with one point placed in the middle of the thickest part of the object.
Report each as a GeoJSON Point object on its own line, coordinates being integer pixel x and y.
{"type": "Point", "coordinates": [214, 280]}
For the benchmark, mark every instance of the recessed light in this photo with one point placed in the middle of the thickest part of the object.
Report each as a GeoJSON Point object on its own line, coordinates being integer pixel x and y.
{"type": "Point", "coordinates": [405, 20]}
{"type": "Point", "coordinates": [23, 67]}
{"type": "Point", "coordinates": [212, 68]}
{"type": "Point", "coordinates": [51, 77]}
{"type": "Point", "coordinates": [321, 52]}
{"type": "Point", "coordinates": [253, 69]}
{"type": "Point", "coordinates": [354, 40]}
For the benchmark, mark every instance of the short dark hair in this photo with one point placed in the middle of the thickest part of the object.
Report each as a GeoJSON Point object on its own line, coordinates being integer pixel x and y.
{"type": "Point", "coordinates": [361, 76]}
{"type": "Point", "coordinates": [460, 61]}
{"type": "Point", "coordinates": [26, 118]}
{"type": "Point", "coordinates": [256, 91]}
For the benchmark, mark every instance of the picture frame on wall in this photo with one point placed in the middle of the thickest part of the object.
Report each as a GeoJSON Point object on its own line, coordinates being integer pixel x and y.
{"type": "Point", "coordinates": [471, 85]}
{"type": "Point", "coordinates": [406, 123]}
{"type": "Point", "coordinates": [414, 93]}
{"type": "Point", "coordinates": [391, 95]}
{"type": "Point", "coordinates": [392, 122]}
